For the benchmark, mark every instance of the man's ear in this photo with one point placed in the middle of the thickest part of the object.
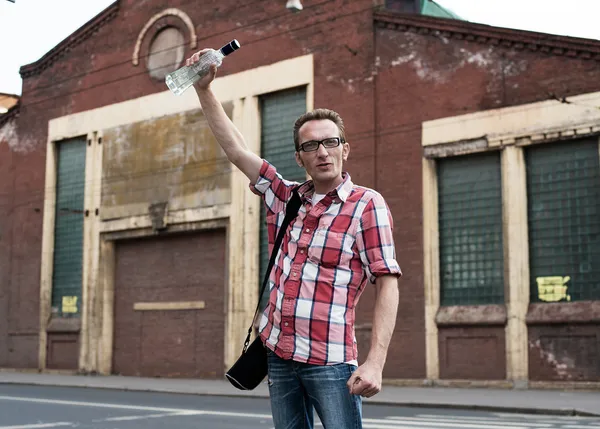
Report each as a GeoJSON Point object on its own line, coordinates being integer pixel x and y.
{"type": "Point", "coordinates": [299, 160]}
{"type": "Point", "coordinates": [345, 151]}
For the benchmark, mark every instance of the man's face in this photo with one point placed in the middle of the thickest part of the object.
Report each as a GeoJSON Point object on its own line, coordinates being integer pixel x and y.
{"type": "Point", "coordinates": [324, 165]}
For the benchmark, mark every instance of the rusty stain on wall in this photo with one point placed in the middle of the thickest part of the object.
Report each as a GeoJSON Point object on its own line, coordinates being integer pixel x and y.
{"type": "Point", "coordinates": [173, 159]}
{"type": "Point", "coordinates": [560, 365]}
{"type": "Point", "coordinates": [9, 134]}
{"type": "Point", "coordinates": [564, 356]}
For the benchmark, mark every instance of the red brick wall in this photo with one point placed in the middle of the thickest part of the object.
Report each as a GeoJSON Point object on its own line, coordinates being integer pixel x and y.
{"type": "Point", "coordinates": [5, 245]}
{"type": "Point", "coordinates": [383, 81]}
{"type": "Point", "coordinates": [21, 208]}
{"type": "Point", "coordinates": [99, 72]}
{"type": "Point", "coordinates": [472, 353]}
{"type": "Point", "coordinates": [564, 352]}
{"type": "Point", "coordinates": [62, 351]}
{"type": "Point", "coordinates": [173, 343]}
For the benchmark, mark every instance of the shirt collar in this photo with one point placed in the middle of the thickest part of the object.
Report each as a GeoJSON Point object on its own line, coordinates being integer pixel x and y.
{"type": "Point", "coordinates": [307, 189]}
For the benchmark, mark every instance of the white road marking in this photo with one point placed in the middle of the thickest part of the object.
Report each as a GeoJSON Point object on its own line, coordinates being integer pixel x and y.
{"type": "Point", "coordinates": [389, 424]}
{"type": "Point", "coordinates": [385, 425]}
{"type": "Point", "coordinates": [536, 417]}
{"type": "Point", "coordinates": [459, 417]}
{"type": "Point", "coordinates": [40, 425]}
{"type": "Point", "coordinates": [418, 422]}
{"type": "Point", "coordinates": [581, 426]}
{"type": "Point", "coordinates": [232, 414]}
{"type": "Point", "coordinates": [486, 420]}
{"type": "Point", "coordinates": [134, 407]}
{"type": "Point", "coordinates": [147, 416]}
{"type": "Point", "coordinates": [435, 421]}
{"type": "Point", "coordinates": [92, 404]}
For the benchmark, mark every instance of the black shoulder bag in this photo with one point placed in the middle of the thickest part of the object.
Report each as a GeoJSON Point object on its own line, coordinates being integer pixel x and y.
{"type": "Point", "coordinates": [251, 367]}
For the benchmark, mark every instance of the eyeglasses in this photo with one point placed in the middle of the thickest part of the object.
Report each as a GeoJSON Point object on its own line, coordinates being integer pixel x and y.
{"type": "Point", "coordinates": [313, 145]}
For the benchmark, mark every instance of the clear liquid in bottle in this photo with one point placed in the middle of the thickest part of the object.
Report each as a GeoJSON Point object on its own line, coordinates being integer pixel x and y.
{"type": "Point", "coordinates": [184, 77]}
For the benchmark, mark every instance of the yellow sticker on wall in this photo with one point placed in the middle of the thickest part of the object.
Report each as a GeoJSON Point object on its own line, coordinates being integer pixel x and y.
{"type": "Point", "coordinates": [553, 288]}
{"type": "Point", "coordinates": [69, 304]}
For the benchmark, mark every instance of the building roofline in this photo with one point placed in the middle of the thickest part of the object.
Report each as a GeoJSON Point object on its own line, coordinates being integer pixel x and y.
{"type": "Point", "coordinates": [450, 14]}
{"type": "Point", "coordinates": [8, 94]}
{"type": "Point", "coordinates": [550, 44]}
{"type": "Point", "coordinates": [13, 112]}
{"type": "Point", "coordinates": [462, 30]}
{"type": "Point", "coordinates": [80, 35]}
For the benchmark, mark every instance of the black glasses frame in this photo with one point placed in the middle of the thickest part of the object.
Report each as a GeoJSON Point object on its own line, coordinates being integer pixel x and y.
{"type": "Point", "coordinates": [304, 145]}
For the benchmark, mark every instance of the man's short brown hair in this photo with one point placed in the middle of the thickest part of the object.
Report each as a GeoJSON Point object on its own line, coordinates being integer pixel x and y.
{"type": "Point", "coordinates": [316, 115]}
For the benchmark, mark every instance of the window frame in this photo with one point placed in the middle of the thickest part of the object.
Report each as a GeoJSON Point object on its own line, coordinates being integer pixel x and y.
{"type": "Point", "coordinates": [509, 130]}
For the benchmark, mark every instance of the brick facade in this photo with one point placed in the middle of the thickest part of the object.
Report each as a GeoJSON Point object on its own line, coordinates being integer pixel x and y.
{"type": "Point", "coordinates": [384, 72]}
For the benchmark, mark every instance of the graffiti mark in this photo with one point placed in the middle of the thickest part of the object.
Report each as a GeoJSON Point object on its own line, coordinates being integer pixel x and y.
{"type": "Point", "coordinates": [553, 288]}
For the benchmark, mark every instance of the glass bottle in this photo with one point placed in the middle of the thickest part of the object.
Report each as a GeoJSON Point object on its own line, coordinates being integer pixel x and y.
{"type": "Point", "coordinates": [184, 77]}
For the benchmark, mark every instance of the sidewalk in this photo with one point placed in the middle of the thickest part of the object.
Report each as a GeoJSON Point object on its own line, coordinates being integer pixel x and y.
{"type": "Point", "coordinates": [554, 402]}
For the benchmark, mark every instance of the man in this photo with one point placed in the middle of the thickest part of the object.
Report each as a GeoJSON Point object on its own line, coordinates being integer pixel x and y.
{"type": "Point", "coordinates": [341, 238]}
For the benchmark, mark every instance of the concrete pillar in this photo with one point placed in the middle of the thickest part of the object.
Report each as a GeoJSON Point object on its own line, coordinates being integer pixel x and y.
{"type": "Point", "coordinates": [516, 260]}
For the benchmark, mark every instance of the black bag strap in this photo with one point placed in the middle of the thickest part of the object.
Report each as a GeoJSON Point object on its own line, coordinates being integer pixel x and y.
{"type": "Point", "coordinates": [291, 211]}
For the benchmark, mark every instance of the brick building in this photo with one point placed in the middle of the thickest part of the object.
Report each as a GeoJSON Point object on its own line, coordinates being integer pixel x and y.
{"type": "Point", "coordinates": [129, 245]}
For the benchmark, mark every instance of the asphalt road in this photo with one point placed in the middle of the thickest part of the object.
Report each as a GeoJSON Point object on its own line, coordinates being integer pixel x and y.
{"type": "Point", "coordinates": [32, 407]}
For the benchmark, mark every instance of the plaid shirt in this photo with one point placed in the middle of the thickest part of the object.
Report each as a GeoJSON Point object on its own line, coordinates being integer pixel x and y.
{"type": "Point", "coordinates": [328, 254]}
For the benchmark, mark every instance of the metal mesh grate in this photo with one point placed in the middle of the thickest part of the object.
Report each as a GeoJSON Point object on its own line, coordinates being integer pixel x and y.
{"type": "Point", "coordinates": [563, 188]}
{"type": "Point", "coordinates": [470, 230]}
{"type": "Point", "coordinates": [68, 227]}
{"type": "Point", "coordinates": [279, 112]}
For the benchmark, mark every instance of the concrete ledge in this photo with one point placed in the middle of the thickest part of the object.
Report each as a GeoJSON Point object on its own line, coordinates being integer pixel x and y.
{"type": "Point", "coordinates": [471, 315]}
{"type": "Point", "coordinates": [64, 324]}
{"type": "Point", "coordinates": [563, 312]}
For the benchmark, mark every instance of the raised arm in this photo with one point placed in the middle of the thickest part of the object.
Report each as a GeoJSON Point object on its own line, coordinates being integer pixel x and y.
{"type": "Point", "coordinates": [227, 135]}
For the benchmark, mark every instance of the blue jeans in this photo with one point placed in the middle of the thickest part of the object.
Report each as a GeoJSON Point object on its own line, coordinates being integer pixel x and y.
{"type": "Point", "coordinates": [295, 388]}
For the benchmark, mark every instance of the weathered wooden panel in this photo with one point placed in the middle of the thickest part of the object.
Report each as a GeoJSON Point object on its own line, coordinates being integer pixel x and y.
{"type": "Point", "coordinates": [173, 159]}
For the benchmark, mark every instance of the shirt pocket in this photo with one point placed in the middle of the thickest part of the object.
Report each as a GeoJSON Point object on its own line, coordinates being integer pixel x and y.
{"type": "Point", "coordinates": [330, 249]}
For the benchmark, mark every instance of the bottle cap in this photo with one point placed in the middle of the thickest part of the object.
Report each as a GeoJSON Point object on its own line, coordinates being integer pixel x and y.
{"type": "Point", "coordinates": [230, 47]}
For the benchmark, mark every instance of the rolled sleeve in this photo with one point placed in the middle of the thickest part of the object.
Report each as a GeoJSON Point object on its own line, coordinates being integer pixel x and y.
{"type": "Point", "coordinates": [375, 240]}
{"type": "Point", "coordinates": [274, 189]}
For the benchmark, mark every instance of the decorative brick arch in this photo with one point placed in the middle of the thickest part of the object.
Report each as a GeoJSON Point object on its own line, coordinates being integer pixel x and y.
{"type": "Point", "coordinates": [165, 13]}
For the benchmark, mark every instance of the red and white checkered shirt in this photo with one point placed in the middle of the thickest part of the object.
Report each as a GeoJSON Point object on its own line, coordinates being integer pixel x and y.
{"type": "Point", "coordinates": [327, 256]}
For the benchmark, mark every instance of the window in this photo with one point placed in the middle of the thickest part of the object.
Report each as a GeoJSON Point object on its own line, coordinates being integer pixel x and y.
{"type": "Point", "coordinates": [470, 229]}
{"type": "Point", "coordinates": [167, 51]}
{"type": "Point", "coordinates": [279, 111]}
{"type": "Point", "coordinates": [563, 203]}
{"type": "Point", "coordinates": [68, 227]}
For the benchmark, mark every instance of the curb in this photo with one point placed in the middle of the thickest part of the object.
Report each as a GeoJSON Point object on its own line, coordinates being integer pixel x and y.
{"type": "Point", "coordinates": [427, 405]}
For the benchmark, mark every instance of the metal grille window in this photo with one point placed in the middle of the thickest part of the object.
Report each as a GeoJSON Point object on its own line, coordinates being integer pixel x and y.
{"type": "Point", "coordinates": [470, 230]}
{"type": "Point", "coordinates": [279, 111]}
{"type": "Point", "coordinates": [68, 227]}
{"type": "Point", "coordinates": [563, 198]}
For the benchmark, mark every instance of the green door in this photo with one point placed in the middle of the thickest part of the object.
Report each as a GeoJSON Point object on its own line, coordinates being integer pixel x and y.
{"type": "Point", "coordinates": [279, 111]}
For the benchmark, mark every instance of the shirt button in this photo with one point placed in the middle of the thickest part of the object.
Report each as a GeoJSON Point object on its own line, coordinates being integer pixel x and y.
{"type": "Point", "coordinates": [285, 324]}
{"type": "Point", "coordinates": [307, 230]}
{"type": "Point", "coordinates": [295, 274]}
{"type": "Point", "coordinates": [302, 251]}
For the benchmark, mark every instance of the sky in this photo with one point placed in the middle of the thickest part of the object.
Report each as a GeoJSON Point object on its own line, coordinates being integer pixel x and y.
{"type": "Point", "coordinates": [30, 28]}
